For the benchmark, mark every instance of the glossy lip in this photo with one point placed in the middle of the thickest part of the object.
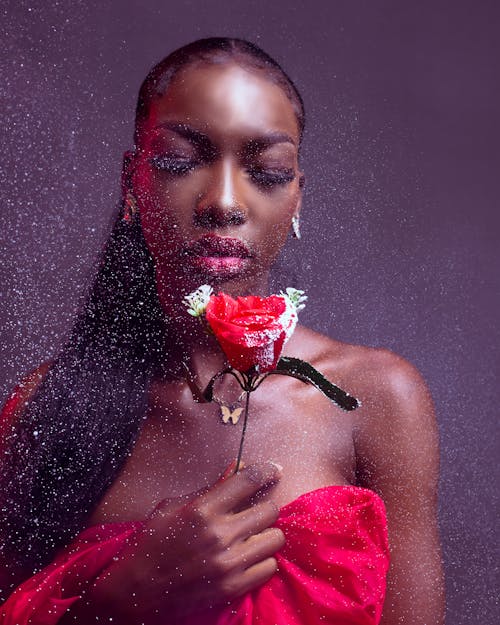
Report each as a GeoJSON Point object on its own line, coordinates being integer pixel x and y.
{"type": "Point", "coordinates": [217, 247]}
{"type": "Point", "coordinates": [219, 264]}
{"type": "Point", "coordinates": [217, 258]}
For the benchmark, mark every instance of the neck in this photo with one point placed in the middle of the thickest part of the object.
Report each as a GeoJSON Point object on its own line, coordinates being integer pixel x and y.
{"type": "Point", "coordinates": [191, 344]}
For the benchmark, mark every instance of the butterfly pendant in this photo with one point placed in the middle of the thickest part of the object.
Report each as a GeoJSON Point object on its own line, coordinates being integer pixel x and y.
{"type": "Point", "coordinates": [227, 414]}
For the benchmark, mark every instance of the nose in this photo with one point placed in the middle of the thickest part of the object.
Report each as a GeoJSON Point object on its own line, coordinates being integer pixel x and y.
{"type": "Point", "coordinates": [221, 203]}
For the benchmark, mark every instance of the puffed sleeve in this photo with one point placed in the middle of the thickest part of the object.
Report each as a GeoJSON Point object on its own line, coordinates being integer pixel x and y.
{"type": "Point", "coordinates": [47, 595]}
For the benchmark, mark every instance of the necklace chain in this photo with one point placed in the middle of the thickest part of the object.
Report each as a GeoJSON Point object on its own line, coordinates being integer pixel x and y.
{"type": "Point", "coordinates": [228, 411]}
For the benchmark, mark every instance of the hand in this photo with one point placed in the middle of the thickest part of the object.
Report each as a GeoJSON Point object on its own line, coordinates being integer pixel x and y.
{"type": "Point", "coordinates": [190, 558]}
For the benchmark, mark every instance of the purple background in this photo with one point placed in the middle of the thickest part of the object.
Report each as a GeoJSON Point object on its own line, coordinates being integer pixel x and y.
{"type": "Point", "coordinates": [400, 220]}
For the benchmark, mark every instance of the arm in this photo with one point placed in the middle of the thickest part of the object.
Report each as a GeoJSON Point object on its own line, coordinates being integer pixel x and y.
{"type": "Point", "coordinates": [396, 444]}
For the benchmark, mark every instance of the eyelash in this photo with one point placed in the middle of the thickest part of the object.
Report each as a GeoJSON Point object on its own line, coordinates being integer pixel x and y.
{"type": "Point", "coordinates": [262, 177]}
{"type": "Point", "coordinates": [177, 166]}
{"type": "Point", "coordinates": [266, 178]}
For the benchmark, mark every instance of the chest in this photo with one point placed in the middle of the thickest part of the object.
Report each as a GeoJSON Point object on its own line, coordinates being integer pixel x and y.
{"type": "Point", "coordinates": [185, 446]}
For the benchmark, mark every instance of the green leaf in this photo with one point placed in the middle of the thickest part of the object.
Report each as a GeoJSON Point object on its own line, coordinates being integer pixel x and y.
{"type": "Point", "coordinates": [302, 370]}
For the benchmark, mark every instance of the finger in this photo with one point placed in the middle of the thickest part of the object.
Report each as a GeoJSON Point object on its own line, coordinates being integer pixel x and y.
{"type": "Point", "coordinates": [226, 495]}
{"type": "Point", "coordinates": [168, 504]}
{"type": "Point", "coordinates": [261, 546]}
{"type": "Point", "coordinates": [240, 583]}
{"type": "Point", "coordinates": [245, 554]}
{"type": "Point", "coordinates": [255, 519]}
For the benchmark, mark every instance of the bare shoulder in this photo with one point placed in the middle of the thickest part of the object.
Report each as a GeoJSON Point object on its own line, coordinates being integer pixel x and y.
{"type": "Point", "coordinates": [377, 369]}
{"type": "Point", "coordinates": [396, 404]}
{"type": "Point", "coordinates": [394, 431]}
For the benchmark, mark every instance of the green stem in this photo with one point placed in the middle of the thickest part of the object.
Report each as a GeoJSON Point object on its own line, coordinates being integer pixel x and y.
{"type": "Point", "coordinates": [245, 421]}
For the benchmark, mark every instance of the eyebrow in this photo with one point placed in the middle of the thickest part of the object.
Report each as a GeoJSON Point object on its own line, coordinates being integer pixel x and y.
{"type": "Point", "coordinates": [271, 138]}
{"type": "Point", "coordinates": [195, 136]}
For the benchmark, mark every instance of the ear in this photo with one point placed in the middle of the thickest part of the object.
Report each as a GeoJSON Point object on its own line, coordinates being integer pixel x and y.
{"type": "Point", "coordinates": [127, 171]}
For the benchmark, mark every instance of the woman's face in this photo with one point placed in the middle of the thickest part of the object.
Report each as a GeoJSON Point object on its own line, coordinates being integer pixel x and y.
{"type": "Point", "coordinates": [217, 179]}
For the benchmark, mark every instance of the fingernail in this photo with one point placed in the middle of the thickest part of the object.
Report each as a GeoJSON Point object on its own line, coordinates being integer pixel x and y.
{"type": "Point", "coordinates": [265, 473]}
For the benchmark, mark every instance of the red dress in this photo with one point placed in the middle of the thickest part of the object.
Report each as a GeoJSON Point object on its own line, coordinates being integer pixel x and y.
{"type": "Point", "coordinates": [331, 570]}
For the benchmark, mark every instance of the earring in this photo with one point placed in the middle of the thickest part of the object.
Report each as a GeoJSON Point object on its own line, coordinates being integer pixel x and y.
{"type": "Point", "coordinates": [129, 207]}
{"type": "Point", "coordinates": [296, 227]}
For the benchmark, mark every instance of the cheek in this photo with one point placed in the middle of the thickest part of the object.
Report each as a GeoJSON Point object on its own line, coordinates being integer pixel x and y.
{"type": "Point", "coordinates": [162, 219]}
{"type": "Point", "coordinates": [159, 236]}
{"type": "Point", "coordinates": [152, 195]}
{"type": "Point", "coordinates": [161, 230]}
{"type": "Point", "coordinates": [274, 221]}
{"type": "Point", "coordinates": [277, 209]}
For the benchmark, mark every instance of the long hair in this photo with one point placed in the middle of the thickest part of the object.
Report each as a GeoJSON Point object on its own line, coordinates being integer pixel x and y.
{"type": "Point", "coordinates": [68, 444]}
{"type": "Point", "coordinates": [76, 432]}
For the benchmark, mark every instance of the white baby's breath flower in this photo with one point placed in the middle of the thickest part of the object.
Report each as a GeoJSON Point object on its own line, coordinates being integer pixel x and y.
{"type": "Point", "coordinates": [288, 319]}
{"type": "Point", "coordinates": [197, 301]}
{"type": "Point", "coordinates": [296, 297]}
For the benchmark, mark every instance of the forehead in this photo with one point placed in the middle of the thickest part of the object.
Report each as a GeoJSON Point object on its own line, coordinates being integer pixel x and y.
{"type": "Point", "coordinates": [226, 101]}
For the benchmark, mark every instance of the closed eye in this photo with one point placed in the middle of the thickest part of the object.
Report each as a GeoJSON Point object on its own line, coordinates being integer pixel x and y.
{"type": "Point", "coordinates": [270, 178]}
{"type": "Point", "coordinates": [176, 165]}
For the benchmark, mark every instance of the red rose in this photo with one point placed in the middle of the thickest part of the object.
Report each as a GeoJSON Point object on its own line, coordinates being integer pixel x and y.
{"type": "Point", "coordinates": [251, 330]}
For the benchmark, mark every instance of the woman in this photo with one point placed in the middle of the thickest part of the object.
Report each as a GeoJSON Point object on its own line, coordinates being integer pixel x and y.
{"type": "Point", "coordinates": [109, 436]}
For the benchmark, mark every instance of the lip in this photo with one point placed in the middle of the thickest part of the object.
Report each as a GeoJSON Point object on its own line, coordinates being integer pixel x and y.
{"type": "Point", "coordinates": [213, 246]}
{"type": "Point", "coordinates": [217, 258]}
{"type": "Point", "coordinates": [219, 264]}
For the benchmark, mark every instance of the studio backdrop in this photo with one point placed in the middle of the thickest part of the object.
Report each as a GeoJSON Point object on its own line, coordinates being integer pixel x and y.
{"type": "Point", "coordinates": [400, 217]}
